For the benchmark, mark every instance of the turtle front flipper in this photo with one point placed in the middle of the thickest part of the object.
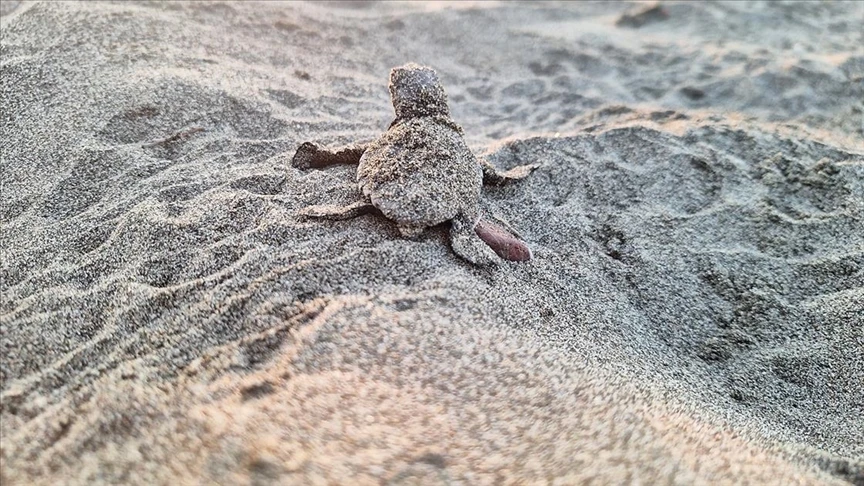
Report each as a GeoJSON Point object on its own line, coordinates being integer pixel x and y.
{"type": "Point", "coordinates": [337, 213]}
{"type": "Point", "coordinates": [466, 244]}
{"type": "Point", "coordinates": [492, 176]}
{"type": "Point", "coordinates": [310, 155]}
{"type": "Point", "coordinates": [503, 242]}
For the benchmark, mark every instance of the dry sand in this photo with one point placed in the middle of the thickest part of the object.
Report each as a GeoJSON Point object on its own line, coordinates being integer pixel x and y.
{"type": "Point", "coordinates": [693, 314]}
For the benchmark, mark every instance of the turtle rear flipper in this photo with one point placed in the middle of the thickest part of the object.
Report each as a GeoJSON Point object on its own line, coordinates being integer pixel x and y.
{"type": "Point", "coordinates": [488, 213]}
{"type": "Point", "coordinates": [310, 155]}
{"type": "Point", "coordinates": [468, 245]}
{"type": "Point", "coordinates": [505, 244]}
{"type": "Point", "coordinates": [495, 177]}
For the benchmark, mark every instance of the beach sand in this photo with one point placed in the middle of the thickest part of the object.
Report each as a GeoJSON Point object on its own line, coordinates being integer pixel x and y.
{"type": "Point", "coordinates": [692, 314]}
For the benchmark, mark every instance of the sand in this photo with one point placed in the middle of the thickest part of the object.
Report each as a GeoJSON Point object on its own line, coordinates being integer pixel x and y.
{"type": "Point", "coordinates": [692, 314]}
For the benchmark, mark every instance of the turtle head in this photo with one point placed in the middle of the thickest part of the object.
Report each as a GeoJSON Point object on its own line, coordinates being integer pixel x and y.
{"type": "Point", "coordinates": [416, 91]}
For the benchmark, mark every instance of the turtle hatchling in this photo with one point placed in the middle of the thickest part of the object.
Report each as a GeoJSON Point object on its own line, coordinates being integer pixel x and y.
{"type": "Point", "coordinates": [420, 173]}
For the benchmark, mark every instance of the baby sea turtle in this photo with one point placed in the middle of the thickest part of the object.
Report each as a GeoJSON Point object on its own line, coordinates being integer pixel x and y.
{"type": "Point", "coordinates": [420, 173]}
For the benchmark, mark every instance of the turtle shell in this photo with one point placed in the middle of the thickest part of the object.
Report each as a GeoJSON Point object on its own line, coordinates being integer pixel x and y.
{"type": "Point", "coordinates": [421, 173]}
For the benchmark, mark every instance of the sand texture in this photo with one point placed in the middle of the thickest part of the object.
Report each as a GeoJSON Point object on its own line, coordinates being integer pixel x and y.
{"type": "Point", "coordinates": [693, 314]}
